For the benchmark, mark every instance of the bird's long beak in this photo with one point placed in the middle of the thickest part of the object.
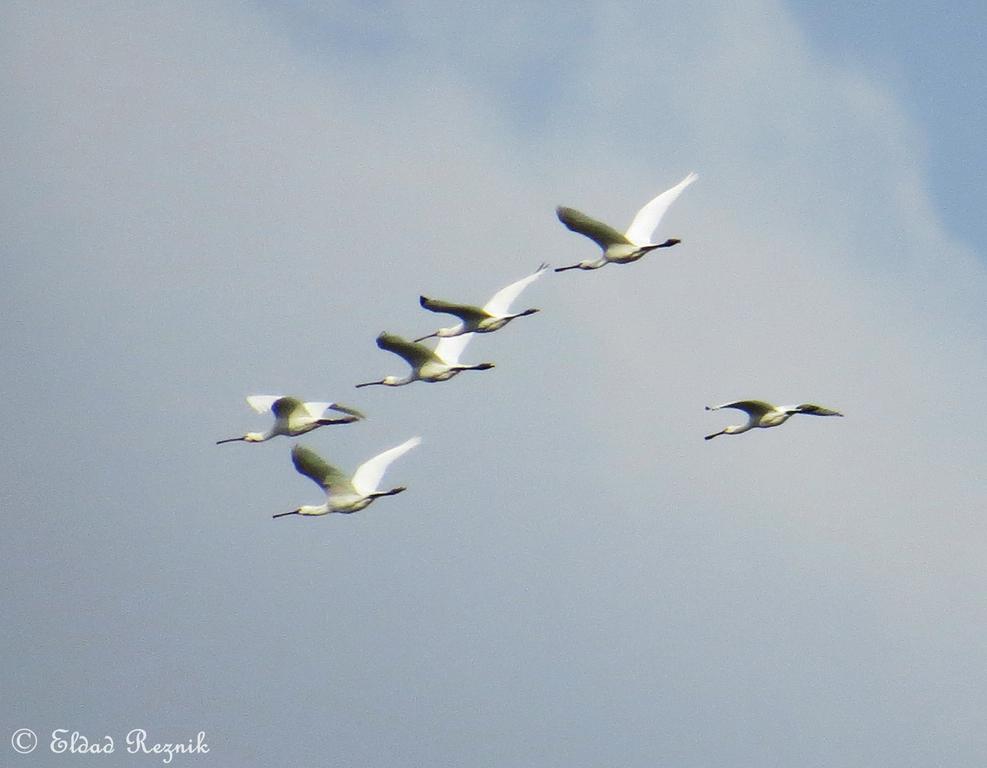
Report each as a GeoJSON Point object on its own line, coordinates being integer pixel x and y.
{"type": "Point", "coordinates": [715, 434]}
{"type": "Point", "coordinates": [285, 514]}
{"type": "Point", "coordinates": [563, 269]}
{"type": "Point", "coordinates": [431, 335]}
{"type": "Point", "coordinates": [230, 440]}
{"type": "Point", "coordinates": [368, 384]}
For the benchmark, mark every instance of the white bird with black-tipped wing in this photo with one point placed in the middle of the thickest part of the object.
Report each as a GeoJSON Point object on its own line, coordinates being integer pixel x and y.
{"type": "Point", "coordinates": [635, 242]}
{"type": "Point", "coordinates": [492, 316]}
{"type": "Point", "coordinates": [763, 415]}
{"type": "Point", "coordinates": [292, 417]}
{"type": "Point", "coordinates": [439, 364]}
{"type": "Point", "coordinates": [346, 494]}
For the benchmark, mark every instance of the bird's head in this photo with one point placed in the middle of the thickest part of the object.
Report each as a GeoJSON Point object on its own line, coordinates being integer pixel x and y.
{"type": "Point", "coordinates": [670, 242]}
{"type": "Point", "coordinates": [387, 381]}
{"type": "Point", "coordinates": [250, 437]}
{"type": "Point", "coordinates": [528, 312]}
{"type": "Point", "coordinates": [484, 366]}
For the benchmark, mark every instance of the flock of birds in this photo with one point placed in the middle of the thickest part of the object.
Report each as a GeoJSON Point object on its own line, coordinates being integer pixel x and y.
{"type": "Point", "coordinates": [347, 493]}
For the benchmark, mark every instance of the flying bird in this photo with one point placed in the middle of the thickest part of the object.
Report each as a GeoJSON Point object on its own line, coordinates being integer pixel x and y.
{"type": "Point", "coordinates": [763, 415]}
{"type": "Point", "coordinates": [492, 316]}
{"type": "Point", "coordinates": [635, 242]}
{"type": "Point", "coordinates": [439, 364]}
{"type": "Point", "coordinates": [292, 417]}
{"type": "Point", "coordinates": [345, 494]}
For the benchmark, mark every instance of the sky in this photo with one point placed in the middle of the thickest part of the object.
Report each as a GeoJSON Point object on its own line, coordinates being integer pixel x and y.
{"type": "Point", "coordinates": [205, 202]}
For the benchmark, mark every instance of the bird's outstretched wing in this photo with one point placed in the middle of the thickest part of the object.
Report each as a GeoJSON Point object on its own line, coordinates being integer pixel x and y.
{"type": "Point", "coordinates": [315, 410]}
{"type": "Point", "coordinates": [415, 354]}
{"type": "Point", "coordinates": [324, 474]}
{"type": "Point", "coordinates": [367, 476]}
{"type": "Point", "coordinates": [466, 312]}
{"type": "Point", "coordinates": [449, 348]}
{"type": "Point", "coordinates": [262, 403]}
{"type": "Point", "coordinates": [293, 411]}
{"type": "Point", "coordinates": [753, 408]}
{"type": "Point", "coordinates": [647, 219]}
{"type": "Point", "coordinates": [500, 302]}
{"type": "Point", "coordinates": [601, 234]}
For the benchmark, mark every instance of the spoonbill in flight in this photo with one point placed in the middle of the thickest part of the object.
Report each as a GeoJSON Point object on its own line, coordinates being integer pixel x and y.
{"type": "Point", "coordinates": [635, 242]}
{"type": "Point", "coordinates": [292, 417]}
{"type": "Point", "coordinates": [439, 364]}
{"type": "Point", "coordinates": [345, 494]}
{"type": "Point", "coordinates": [763, 415]}
{"type": "Point", "coordinates": [492, 316]}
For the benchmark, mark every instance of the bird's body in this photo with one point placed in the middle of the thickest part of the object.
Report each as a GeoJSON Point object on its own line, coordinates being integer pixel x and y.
{"type": "Point", "coordinates": [429, 365]}
{"type": "Point", "coordinates": [623, 248]}
{"type": "Point", "coordinates": [344, 493]}
{"type": "Point", "coordinates": [492, 316]}
{"type": "Point", "coordinates": [292, 417]}
{"type": "Point", "coordinates": [761, 415]}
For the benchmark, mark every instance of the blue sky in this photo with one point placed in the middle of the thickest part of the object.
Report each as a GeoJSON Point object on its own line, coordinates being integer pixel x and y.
{"type": "Point", "coordinates": [202, 204]}
{"type": "Point", "coordinates": [930, 56]}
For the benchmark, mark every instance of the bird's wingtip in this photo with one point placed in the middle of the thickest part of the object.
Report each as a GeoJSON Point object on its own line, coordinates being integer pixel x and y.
{"type": "Point", "coordinates": [561, 212]}
{"type": "Point", "coordinates": [347, 410]}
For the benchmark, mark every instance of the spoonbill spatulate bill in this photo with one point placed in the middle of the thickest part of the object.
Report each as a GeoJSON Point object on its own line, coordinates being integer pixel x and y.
{"type": "Point", "coordinates": [492, 316]}
{"type": "Point", "coordinates": [292, 417]}
{"type": "Point", "coordinates": [763, 415]}
{"type": "Point", "coordinates": [439, 364]}
{"type": "Point", "coordinates": [631, 245]}
{"type": "Point", "coordinates": [344, 493]}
